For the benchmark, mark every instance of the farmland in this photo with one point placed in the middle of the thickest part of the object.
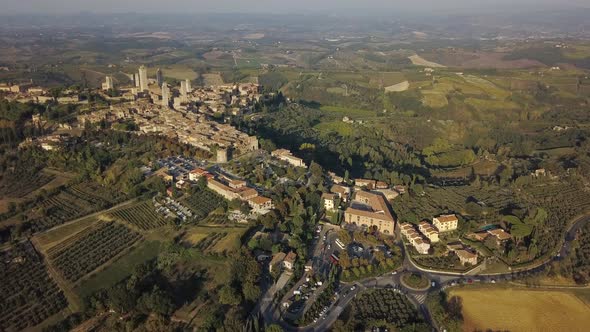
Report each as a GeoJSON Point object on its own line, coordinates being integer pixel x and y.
{"type": "Point", "coordinates": [419, 61]}
{"type": "Point", "coordinates": [73, 202]}
{"type": "Point", "coordinates": [27, 293]}
{"type": "Point", "coordinates": [522, 310]}
{"type": "Point", "coordinates": [55, 235]}
{"type": "Point", "coordinates": [141, 215]}
{"type": "Point", "coordinates": [215, 239]}
{"type": "Point", "coordinates": [91, 248]}
{"type": "Point", "coordinates": [203, 202]}
{"type": "Point", "coordinates": [119, 269]}
{"type": "Point", "coordinates": [23, 182]}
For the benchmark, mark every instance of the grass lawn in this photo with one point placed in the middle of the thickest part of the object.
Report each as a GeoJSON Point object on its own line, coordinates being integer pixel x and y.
{"type": "Point", "coordinates": [119, 270]}
{"type": "Point", "coordinates": [342, 128]}
{"type": "Point", "coordinates": [520, 309]}
{"type": "Point", "coordinates": [230, 242]}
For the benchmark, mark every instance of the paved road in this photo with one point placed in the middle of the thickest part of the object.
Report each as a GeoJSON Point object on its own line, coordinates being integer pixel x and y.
{"type": "Point", "coordinates": [418, 297]}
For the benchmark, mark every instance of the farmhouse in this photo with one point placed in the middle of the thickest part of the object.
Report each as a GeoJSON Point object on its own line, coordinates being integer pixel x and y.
{"type": "Point", "coordinates": [370, 210]}
{"type": "Point", "coordinates": [445, 222]}
{"type": "Point", "coordinates": [466, 256]}
{"type": "Point", "coordinates": [500, 235]}
{"type": "Point", "coordinates": [260, 203]}
{"type": "Point", "coordinates": [329, 201]}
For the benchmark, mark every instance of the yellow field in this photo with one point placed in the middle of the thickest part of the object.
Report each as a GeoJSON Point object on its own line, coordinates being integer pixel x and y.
{"type": "Point", "coordinates": [434, 99]}
{"type": "Point", "coordinates": [522, 310]}
{"type": "Point", "coordinates": [420, 61]}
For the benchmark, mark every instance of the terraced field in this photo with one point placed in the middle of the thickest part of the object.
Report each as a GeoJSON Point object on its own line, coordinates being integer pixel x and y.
{"type": "Point", "coordinates": [74, 202]}
{"type": "Point", "coordinates": [142, 215]}
{"type": "Point", "coordinates": [20, 184]}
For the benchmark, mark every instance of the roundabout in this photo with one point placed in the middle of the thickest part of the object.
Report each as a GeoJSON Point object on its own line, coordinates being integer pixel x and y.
{"type": "Point", "coordinates": [415, 281]}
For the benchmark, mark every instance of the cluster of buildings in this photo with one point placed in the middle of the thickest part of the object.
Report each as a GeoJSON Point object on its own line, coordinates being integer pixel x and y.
{"type": "Point", "coordinates": [28, 92]}
{"type": "Point", "coordinates": [188, 127]}
{"type": "Point", "coordinates": [182, 171]}
{"type": "Point", "coordinates": [428, 233]}
{"type": "Point", "coordinates": [232, 189]}
{"type": "Point", "coordinates": [222, 98]}
{"type": "Point", "coordinates": [500, 235]}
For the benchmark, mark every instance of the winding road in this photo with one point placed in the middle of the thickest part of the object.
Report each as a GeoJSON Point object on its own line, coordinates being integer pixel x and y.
{"type": "Point", "coordinates": [441, 280]}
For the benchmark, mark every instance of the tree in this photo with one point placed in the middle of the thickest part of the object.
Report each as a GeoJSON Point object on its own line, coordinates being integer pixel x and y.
{"type": "Point", "coordinates": [455, 307]}
{"type": "Point", "coordinates": [273, 328]}
{"type": "Point", "coordinates": [251, 291]}
{"type": "Point", "coordinates": [229, 295]}
{"type": "Point", "coordinates": [157, 301]}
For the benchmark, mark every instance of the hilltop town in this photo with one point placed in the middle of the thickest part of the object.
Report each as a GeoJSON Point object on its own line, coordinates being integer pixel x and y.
{"type": "Point", "coordinates": [298, 173]}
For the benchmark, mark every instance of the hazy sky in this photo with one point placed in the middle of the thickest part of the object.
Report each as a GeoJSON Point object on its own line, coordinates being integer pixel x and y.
{"type": "Point", "coordinates": [264, 6]}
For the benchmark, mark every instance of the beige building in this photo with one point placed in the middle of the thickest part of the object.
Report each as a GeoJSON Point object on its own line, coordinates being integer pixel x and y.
{"type": "Point", "coordinates": [429, 231]}
{"type": "Point", "coordinates": [445, 222]}
{"type": "Point", "coordinates": [466, 256]}
{"type": "Point", "coordinates": [500, 235]}
{"type": "Point", "coordinates": [260, 203]}
{"type": "Point", "coordinates": [370, 210]}
{"type": "Point", "coordinates": [285, 155]}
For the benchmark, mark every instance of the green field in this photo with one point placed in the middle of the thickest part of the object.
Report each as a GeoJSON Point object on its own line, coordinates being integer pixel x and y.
{"type": "Point", "coordinates": [342, 128]}
{"type": "Point", "coordinates": [353, 113]}
{"type": "Point", "coordinates": [208, 239]}
{"type": "Point", "coordinates": [120, 269]}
